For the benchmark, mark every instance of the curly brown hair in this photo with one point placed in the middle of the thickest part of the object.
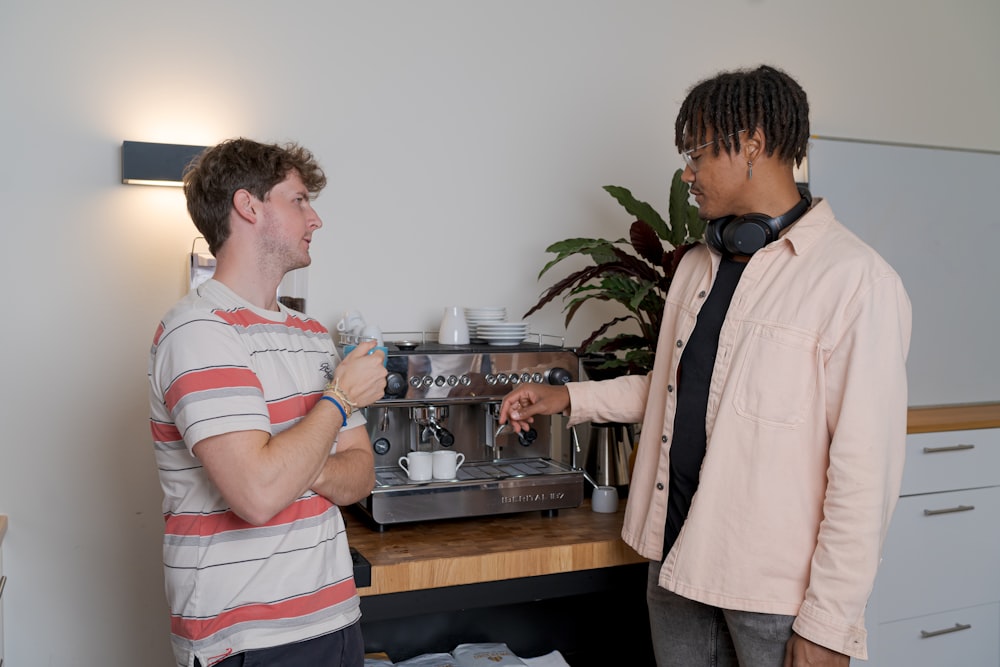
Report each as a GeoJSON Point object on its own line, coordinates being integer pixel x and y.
{"type": "Point", "coordinates": [743, 100]}
{"type": "Point", "coordinates": [212, 179]}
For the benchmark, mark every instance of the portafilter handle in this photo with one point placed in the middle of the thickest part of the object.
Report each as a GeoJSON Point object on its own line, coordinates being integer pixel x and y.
{"type": "Point", "coordinates": [428, 417]}
{"type": "Point", "coordinates": [441, 434]}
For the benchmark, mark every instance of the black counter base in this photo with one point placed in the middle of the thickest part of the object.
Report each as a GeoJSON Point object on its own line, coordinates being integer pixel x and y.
{"type": "Point", "coordinates": [594, 618]}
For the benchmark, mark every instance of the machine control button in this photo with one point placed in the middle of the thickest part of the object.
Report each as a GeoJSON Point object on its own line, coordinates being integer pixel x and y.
{"type": "Point", "coordinates": [395, 385]}
{"type": "Point", "coordinates": [559, 376]}
{"type": "Point", "coordinates": [491, 379]}
{"type": "Point", "coordinates": [465, 380]}
{"type": "Point", "coordinates": [415, 382]}
{"type": "Point", "coordinates": [452, 380]}
{"type": "Point", "coordinates": [440, 380]}
{"type": "Point", "coordinates": [515, 378]}
{"type": "Point", "coordinates": [427, 381]}
{"type": "Point", "coordinates": [525, 377]}
{"type": "Point", "coordinates": [502, 378]}
{"type": "Point", "coordinates": [537, 378]}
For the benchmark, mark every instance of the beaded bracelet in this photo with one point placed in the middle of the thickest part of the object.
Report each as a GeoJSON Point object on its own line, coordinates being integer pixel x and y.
{"type": "Point", "coordinates": [339, 407]}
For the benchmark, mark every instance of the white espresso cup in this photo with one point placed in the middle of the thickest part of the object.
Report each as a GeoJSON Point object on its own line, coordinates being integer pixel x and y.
{"type": "Point", "coordinates": [447, 463]}
{"type": "Point", "coordinates": [418, 466]}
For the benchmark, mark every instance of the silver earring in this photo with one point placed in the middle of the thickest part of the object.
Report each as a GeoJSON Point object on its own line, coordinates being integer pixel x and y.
{"type": "Point", "coordinates": [749, 170]}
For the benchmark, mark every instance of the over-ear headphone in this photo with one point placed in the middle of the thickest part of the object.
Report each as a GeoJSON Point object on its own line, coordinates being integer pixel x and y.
{"type": "Point", "coordinates": [746, 234]}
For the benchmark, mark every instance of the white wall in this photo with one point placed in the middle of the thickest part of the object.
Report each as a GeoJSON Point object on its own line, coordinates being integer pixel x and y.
{"type": "Point", "coordinates": [460, 138]}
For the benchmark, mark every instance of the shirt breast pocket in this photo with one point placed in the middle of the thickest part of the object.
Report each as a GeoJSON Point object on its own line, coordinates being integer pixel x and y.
{"type": "Point", "coordinates": [777, 379]}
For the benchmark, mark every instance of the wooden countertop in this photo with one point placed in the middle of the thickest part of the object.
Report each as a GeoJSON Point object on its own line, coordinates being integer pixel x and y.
{"type": "Point", "coordinates": [407, 557]}
{"type": "Point", "coordinates": [932, 418]}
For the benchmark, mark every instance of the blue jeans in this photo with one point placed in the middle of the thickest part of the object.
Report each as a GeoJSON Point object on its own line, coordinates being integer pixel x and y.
{"type": "Point", "coordinates": [344, 648]}
{"type": "Point", "coordinates": [691, 634]}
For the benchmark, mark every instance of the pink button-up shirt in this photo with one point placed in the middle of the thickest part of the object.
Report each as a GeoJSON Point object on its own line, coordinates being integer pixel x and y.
{"type": "Point", "coordinates": [806, 427]}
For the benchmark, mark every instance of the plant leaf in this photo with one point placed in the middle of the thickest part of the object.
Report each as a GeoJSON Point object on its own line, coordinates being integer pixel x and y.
{"type": "Point", "coordinates": [623, 341]}
{"type": "Point", "coordinates": [567, 283]}
{"type": "Point", "coordinates": [683, 214]}
{"type": "Point", "coordinates": [585, 345]}
{"type": "Point", "coordinates": [630, 265]}
{"type": "Point", "coordinates": [695, 225]}
{"type": "Point", "coordinates": [638, 357]}
{"type": "Point", "coordinates": [599, 250]}
{"type": "Point", "coordinates": [640, 210]}
{"type": "Point", "coordinates": [646, 243]}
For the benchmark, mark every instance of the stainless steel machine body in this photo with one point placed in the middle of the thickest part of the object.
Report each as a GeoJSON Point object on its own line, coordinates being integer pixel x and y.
{"type": "Point", "coordinates": [448, 397]}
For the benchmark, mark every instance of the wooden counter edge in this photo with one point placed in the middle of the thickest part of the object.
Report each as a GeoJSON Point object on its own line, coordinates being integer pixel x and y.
{"type": "Point", "coordinates": [959, 417]}
{"type": "Point", "coordinates": [421, 574]}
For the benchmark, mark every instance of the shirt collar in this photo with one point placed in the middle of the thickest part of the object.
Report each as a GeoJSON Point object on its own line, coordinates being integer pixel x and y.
{"type": "Point", "coordinates": [806, 231]}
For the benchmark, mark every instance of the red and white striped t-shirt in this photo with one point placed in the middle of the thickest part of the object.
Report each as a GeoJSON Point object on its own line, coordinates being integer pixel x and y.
{"type": "Point", "coordinates": [218, 365]}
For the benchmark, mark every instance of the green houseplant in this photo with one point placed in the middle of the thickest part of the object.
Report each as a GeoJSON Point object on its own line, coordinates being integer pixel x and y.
{"type": "Point", "coordinates": [633, 272]}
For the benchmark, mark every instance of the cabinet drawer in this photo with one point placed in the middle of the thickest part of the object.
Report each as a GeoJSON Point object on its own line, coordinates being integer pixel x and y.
{"type": "Point", "coordinates": [962, 637]}
{"type": "Point", "coordinates": [942, 552]}
{"type": "Point", "coordinates": [951, 460]}
{"type": "Point", "coordinates": [3, 585]}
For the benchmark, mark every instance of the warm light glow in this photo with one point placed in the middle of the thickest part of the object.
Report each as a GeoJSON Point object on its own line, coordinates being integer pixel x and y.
{"type": "Point", "coordinates": [139, 181]}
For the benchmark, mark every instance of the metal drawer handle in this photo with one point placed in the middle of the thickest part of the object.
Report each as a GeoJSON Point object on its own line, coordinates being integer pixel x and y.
{"type": "Point", "coordinates": [924, 634]}
{"type": "Point", "coordinates": [952, 448]}
{"type": "Point", "coordinates": [950, 510]}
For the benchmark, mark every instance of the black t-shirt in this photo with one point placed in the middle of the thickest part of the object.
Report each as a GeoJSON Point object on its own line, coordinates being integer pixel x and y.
{"type": "Point", "coordinates": [687, 451]}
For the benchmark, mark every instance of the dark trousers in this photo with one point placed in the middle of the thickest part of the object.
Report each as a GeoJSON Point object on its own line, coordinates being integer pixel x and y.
{"type": "Point", "coordinates": [344, 648]}
{"type": "Point", "coordinates": [691, 634]}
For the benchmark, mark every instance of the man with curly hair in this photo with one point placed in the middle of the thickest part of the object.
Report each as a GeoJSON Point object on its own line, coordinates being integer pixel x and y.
{"type": "Point", "coordinates": [257, 430]}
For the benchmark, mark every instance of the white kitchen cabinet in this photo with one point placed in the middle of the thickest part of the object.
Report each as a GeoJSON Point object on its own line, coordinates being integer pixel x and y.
{"type": "Point", "coordinates": [937, 595]}
{"type": "Point", "coordinates": [3, 582]}
{"type": "Point", "coordinates": [964, 637]}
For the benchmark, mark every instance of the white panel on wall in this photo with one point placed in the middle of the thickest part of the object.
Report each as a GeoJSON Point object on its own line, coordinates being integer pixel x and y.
{"type": "Point", "coordinates": [932, 214]}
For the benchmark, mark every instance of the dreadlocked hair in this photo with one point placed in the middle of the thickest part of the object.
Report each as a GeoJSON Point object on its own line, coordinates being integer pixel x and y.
{"type": "Point", "coordinates": [744, 100]}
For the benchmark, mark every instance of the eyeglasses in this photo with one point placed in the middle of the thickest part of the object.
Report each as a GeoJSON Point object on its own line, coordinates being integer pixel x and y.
{"type": "Point", "coordinates": [691, 161]}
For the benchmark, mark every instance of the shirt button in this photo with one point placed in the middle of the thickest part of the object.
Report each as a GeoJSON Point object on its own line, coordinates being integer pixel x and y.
{"type": "Point", "coordinates": [659, 486]}
{"type": "Point", "coordinates": [663, 439]}
{"type": "Point", "coordinates": [701, 294]}
{"type": "Point", "coordinates": [680, 343]}
{"type": "Point", "coordinates": [670, 388]}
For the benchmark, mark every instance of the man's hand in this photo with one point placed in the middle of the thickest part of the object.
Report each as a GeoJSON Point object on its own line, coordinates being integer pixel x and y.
{"type": "Point", "coordinates": [800, 652]}
{"type": "Point", "coordinates": [361, 374]}
{"type": "Point", "coordinates": [528, 400]}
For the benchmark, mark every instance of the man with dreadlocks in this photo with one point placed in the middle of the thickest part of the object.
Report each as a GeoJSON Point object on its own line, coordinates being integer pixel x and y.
{"type": "Point", "coordinates": [774, 420]}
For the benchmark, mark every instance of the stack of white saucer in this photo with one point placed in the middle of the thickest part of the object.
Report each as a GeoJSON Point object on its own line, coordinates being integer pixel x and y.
{"type": "Point", "coordinates": [483, 315]}
{"type": "Point", "coordinates": [502, 333]}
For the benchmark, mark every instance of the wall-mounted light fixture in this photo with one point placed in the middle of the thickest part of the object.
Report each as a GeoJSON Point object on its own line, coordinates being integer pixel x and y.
{"type": "Point", "coordinates": [144, 163]}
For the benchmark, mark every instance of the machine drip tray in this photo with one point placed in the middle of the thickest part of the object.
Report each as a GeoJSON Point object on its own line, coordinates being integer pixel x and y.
{"type": "Point", "coordinates": [481, 488]}
{"type": "Point", "coordinates": [472, 472]}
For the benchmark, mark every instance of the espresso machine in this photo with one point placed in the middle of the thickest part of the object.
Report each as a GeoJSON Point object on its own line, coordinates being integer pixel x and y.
{"type": "Point", "coordinates": [448, 397]}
